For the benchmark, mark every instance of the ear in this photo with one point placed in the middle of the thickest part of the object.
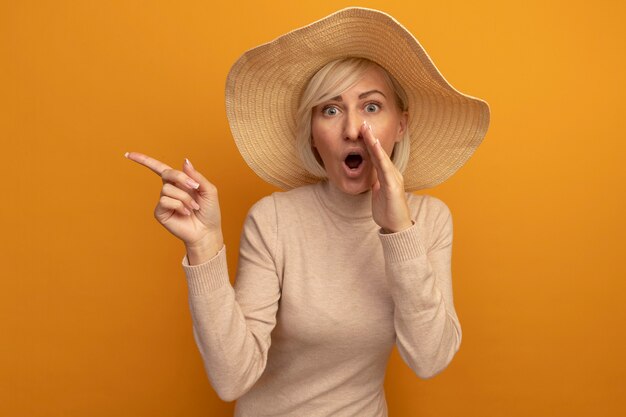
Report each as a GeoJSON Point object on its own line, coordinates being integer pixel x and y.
{"type": "Point", "coordinates": [402, 126]}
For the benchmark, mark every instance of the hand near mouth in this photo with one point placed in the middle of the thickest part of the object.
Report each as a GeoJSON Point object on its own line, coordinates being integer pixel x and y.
{"type": "Point", "coordinates": [389, 207]}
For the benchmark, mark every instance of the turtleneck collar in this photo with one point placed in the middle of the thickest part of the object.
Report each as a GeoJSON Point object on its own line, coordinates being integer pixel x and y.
{"type": "Point", "coordinates": [356, 207]}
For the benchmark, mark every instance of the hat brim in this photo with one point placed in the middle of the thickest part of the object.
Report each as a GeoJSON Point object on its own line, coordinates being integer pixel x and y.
{"type": "Point", "coordinates": [263, 89]}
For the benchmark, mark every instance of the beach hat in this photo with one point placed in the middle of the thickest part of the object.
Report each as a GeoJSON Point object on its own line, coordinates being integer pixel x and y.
{"type": "Point", "coordinates": [263, 89]}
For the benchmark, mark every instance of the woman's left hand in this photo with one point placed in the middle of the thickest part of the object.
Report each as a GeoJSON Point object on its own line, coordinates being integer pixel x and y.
{"type": "Point", "coordinates": [389, 207]}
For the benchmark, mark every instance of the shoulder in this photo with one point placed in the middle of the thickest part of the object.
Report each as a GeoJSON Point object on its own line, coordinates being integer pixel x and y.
{"type": "Point", "coordinates": [427, 207]}
{"type": "Point", "coordinates": [263, 207]}
{"type": "Point", "coordinates": [271, 206]}
{"type": "Point", "coordinates": [291, 201]}
{"type": "Point", "coordinates": [296, 195]}
{"type": "Point", "coordinates": [432, 217]}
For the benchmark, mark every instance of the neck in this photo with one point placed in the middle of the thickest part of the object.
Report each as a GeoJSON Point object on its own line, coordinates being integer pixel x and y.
{"type": "Point", "coordinates": [351, 206]}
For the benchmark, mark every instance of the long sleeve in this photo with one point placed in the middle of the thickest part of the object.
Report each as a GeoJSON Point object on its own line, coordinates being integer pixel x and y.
{"type": "Point", "coordinates": [320, 300]}
{"type": "Point", "coordinates": [419, 275]}
{"type": "Point", "coordinates": [232, 325]}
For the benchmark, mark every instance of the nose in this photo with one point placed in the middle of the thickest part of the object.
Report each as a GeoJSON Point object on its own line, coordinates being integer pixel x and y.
{"type": "Point", "coordinates": [352, 126]}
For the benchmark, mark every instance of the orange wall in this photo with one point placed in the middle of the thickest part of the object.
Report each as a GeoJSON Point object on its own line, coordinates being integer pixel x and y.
{"type": "Point", "coordinates": [93, 310]}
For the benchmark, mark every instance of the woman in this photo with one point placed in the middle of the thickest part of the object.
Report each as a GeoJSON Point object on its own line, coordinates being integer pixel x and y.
{"type": "Point", "coordinates": [347, 114]}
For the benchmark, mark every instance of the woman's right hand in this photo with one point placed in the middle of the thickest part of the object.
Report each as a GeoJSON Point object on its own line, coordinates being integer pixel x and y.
{"type": "Point", "coordinates": [188, 207]}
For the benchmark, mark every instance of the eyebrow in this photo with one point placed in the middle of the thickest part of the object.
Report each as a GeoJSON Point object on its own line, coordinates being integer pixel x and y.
{"type": "Point", "coordinates": [362, 95]}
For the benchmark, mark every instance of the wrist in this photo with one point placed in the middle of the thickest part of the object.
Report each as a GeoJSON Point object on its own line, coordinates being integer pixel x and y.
{"type": "Point", "coordinates": [397, 229]}
{"type": "Point", "coordinates": [204, 250]}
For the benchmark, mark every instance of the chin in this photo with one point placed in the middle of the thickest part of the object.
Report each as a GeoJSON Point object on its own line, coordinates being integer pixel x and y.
{"type": "Point", "coordinates": [353, 187]}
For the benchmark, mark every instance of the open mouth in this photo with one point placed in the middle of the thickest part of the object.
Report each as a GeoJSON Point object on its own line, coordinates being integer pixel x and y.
{"type": "Point", "coordinates": [353, 160]}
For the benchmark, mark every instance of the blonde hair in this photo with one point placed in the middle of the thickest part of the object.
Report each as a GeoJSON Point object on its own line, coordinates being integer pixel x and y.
{"type": "Point", "coordinates": [330, 81]}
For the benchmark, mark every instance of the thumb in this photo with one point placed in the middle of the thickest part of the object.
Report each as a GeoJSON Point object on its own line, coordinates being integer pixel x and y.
{"type": "Point", "coordinates": [188, 167]}
{"type": "Point", "coordinates": [205, 185]}
{"type": "Point", "coordinates": [375, 187]}
{"type": "Point", "coordinates": [375, 181]}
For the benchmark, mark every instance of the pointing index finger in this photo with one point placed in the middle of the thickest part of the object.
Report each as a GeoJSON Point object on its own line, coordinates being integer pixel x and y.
{"type": "Point", "coordinates": [155, 165]}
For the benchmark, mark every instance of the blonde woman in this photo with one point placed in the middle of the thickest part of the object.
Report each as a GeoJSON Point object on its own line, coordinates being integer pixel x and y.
{"type": "Point", "coordinates": [346, 115]}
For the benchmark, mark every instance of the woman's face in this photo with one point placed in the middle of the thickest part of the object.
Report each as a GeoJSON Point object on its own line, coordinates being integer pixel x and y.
{"type": "Point", "coordinates": [336, 130]}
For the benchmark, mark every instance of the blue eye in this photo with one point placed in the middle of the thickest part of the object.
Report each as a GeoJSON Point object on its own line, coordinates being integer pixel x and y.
{"type": "Point", "coordinates": [372, 108]}
{"type": "Point", "coordinates": [330, 111]}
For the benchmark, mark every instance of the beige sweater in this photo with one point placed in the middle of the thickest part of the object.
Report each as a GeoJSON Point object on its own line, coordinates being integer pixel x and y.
{"type": "Point", "coordinates": [320, 298]}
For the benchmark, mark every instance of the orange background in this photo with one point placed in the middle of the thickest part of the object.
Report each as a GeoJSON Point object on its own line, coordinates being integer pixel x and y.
{"type": "Point", "coordinates": [94, 318]}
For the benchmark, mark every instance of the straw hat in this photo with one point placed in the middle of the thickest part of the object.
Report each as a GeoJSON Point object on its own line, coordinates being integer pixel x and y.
{"type": "Point", "coordinates": [264, 86]}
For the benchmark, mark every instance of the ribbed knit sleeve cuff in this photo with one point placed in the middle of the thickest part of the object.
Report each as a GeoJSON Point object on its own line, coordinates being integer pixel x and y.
{"type": "Point", "coordinates": [208, 276]}
{"type": "Point", "coordinates": [401, 246]}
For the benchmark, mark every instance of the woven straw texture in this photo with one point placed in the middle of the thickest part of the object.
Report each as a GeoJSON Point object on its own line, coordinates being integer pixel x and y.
{"type": "Point", "coordinates": [264, 86]}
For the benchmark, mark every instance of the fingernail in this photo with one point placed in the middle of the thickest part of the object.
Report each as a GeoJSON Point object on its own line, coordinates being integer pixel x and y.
{"type": "Point", "coordinates": [195, 205]}
{"type": "Point", "coordinates": [126, 154]}
{"type": "Point", "coordinates": [186, 211]}
{"type": "Point", "coordinates": [376, 142]}
{"type": "Point", "coordinates": [188, 162]}
{"type": "Point", "coordinates": [192, 184]}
